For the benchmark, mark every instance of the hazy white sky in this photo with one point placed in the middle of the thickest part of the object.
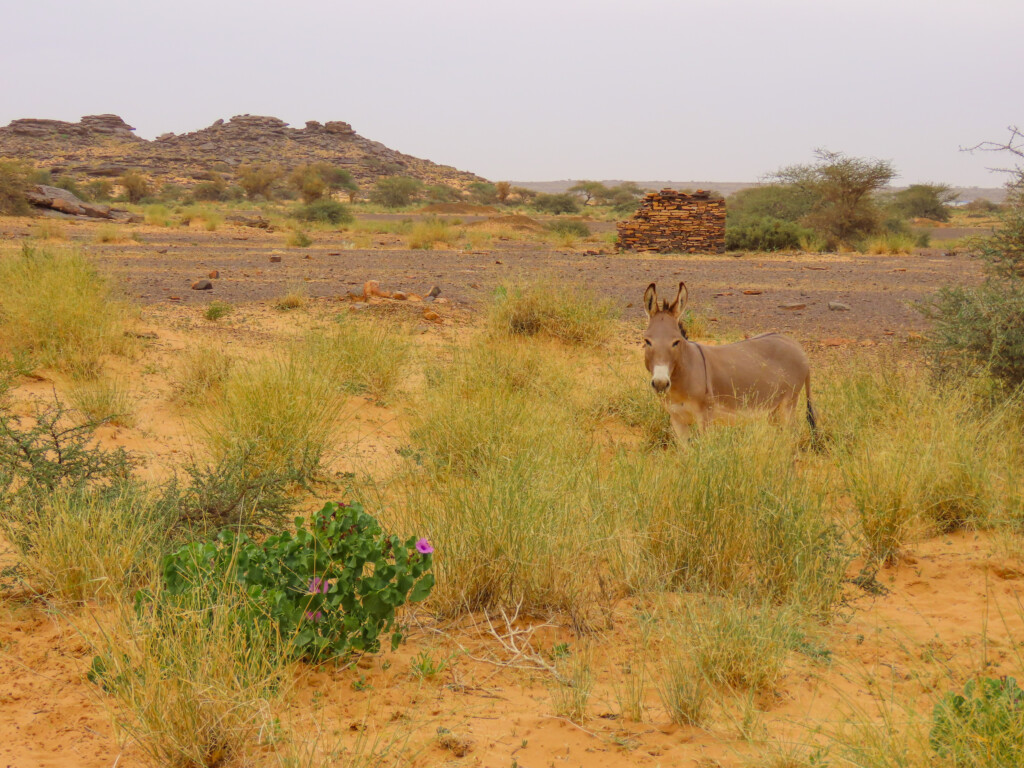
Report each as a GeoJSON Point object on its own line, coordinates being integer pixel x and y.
{"type": "Point", "coordinates": [722, 90]}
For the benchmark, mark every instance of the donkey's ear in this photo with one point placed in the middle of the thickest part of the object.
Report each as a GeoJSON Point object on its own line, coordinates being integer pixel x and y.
{"type": "Point", "coordinates": [651, 299]}
{"type": "Point", "coordinates": [679, 303]}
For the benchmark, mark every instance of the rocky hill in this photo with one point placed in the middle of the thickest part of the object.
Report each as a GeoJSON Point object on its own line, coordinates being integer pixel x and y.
{"type": "Point", "coordinates": [105, 146]}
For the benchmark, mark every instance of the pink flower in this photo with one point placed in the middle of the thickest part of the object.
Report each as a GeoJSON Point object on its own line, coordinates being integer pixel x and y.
{"type": "Point", "coordinates": [314, 616]}
{"type": "Point", "coordinates": [317, 584]}
{"type": "Point", "coordinates": [424, 547]}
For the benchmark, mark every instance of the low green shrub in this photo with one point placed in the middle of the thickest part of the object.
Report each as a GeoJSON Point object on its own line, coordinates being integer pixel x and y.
{"type": "Point", "coordinates": [332, 588]}
{"type": "Point", "coordinates": [575, 228]}
{"type": "Point", "coordinates": [764, 233]}
{"type": "Point", "coordinates": [980, 329]}
{"type": "Point", "coordinates": [325, 211]}
{"type": "Point", "coordinates": [561, 203]}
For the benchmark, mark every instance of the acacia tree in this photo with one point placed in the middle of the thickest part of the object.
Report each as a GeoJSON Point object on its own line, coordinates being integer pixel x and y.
{"type": "Point", "coordinates": [396, 191]}
{"type": "Point", "coordinates": [589, 190]}
{"type": "Point", "coordinates": [842, 188]}
{"type": "Point", "coordinates": [337, 179]}
{"type": "Point", "coordinates": [927, 201]}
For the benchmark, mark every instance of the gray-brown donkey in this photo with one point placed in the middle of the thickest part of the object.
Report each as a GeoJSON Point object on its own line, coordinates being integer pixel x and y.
{"type": "Point", "coordinates": [705, 383]}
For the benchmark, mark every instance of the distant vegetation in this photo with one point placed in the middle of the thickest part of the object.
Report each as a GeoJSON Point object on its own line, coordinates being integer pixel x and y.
{"type": "Point", "coordinates": [837, 202]}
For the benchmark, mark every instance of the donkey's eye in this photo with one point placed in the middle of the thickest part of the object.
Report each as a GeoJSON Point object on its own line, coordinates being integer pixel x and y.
{"type": "Point", "coordinates": [675, 343]}
{"type": "Point", "coordinates": [647, 342]}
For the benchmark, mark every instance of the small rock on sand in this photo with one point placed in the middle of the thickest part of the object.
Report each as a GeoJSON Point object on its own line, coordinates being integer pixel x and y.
{"type": "Point", "coordinates": [838, 306]}
{"type": "Point", "coordinates": [793, 305]}
{"type": "Point", "coordinates": [202, 285]}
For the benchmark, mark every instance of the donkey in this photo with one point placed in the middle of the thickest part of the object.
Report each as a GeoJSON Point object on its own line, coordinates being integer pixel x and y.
{"type": "Point", "coordinates": [705, 383]}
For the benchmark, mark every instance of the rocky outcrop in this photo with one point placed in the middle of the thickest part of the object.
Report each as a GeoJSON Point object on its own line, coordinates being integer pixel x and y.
{"type": "Point", "coordinates": [105, 146]}
{"type": "Point", "coordinates": [90, 125]}
{"type": "Point", "coordinates": [62, 201]}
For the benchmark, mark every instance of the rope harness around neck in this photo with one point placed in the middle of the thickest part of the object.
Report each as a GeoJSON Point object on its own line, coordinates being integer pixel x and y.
{"type": "Point", "coordinates": [707, 377]}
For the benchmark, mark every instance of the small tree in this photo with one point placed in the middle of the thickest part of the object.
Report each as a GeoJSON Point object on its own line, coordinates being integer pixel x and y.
{"type": "Point", "coordinates": [14, 184]}
{"type": "Point", "coordinates": [308, 183]}
{"type": "Point", "coordinates": [258, 180]}
{"type": "Point", "coordinates": [136, 186]}
{"type": "Point", "coordinates": [589, 190]}
{"type": "Point", "coordinates": [926, 201]}
{"type": "Point", "coordinates": [483, 192]}
{"type": "Point", "coordinates": [442, 193]}
{"type": "Point", "coordinates": [526, 196]}
{"type": "Point", "coordinates": [502, 189]}
{"type": "Point", "coordinates": [396, 191]}
{"type": "Point", "coordinates": [841, 187]}
{"type": "Point", "coordinates": [337, 179]}
{"type": "Point", "coordinates": [213, 189]}
{"type": "Point", "coordinates": [784, 202]}
{"type": "Point", "coordinates": [982, 328]}
{"type": "Point", "coordinates": [623, 198]}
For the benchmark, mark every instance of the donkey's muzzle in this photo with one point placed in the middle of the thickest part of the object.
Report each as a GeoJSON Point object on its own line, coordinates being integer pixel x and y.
{"type": "Point", "coordinates": [660, 385]}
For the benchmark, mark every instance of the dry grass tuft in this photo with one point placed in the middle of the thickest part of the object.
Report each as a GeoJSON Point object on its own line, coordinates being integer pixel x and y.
{"type": "Point", "coordinates": [569, 313]}
{"type": "Point", "coordinates": [77, 546]}
{"type": "Point", "coordinates": [56, 309]}
{"type": "Point", "coordinates": [106, 400]}
{"type": "Point", "coordinates": [201, 374]}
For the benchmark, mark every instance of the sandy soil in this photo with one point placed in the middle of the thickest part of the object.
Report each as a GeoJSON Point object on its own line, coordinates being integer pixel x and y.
{"type": "Point", "coordinates": [952, 608]}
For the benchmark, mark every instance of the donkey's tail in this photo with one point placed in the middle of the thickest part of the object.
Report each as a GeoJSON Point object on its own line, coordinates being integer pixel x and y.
{"type": "Point", "coordinates": [812, 418]}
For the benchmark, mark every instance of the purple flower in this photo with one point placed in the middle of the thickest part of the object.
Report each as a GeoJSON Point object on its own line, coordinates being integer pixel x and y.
{"type": "Point", "coordinates": [317, 584]}
{"type": "Point", "coordinates": [424, 547]}
{"type": "Point", "coordinates": [311, 616]}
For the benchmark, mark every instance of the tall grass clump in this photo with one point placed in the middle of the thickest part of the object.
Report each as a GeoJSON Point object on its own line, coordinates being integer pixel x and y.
{"type": "Point", "coordinates": [294, 299]}
{"type": "Point", "coordinates": [497, 473]}
{"type": "Point", "coordinates": [569, 313]}
{"type": "Point", "coordinates": [104, 400]}
{"type": "Point", "coordinates": [108, 233]}
{"type": "Point", "coordinates": [684, 692]}
{"type": "Point", "coordinates": [158, 216]}
{"type": "Point", "coordinates": [48, 229]}
{"type": "Point", "coordinates": [280, 413]}
{"type": "Point", "coordinates": [368, 356]}
{"type": "Point", "coordinates": [891, 243]}
{"type": "Point", "coordinates": [733, 643]}
{"type": "Point", "coordinates": [194, 679]}
{"type": "Point", "coordinates": [732, 514]}
{"type": "Point", "coordinates": [79, 544]}
{"type": "Point", "coordinates": [571, 692]}
{"type": "Point", "coordinates": [917, 456]}
{"type": "Point", "coordinates": [58, 310]}
{"type": "Point", "coordinates": [201, 373]}
{"type": "Point", "coordinates": [425, 235]}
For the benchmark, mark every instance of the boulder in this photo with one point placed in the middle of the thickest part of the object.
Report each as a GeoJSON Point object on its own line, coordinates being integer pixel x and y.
{"type": "Point", "coordinates": [57, 199]}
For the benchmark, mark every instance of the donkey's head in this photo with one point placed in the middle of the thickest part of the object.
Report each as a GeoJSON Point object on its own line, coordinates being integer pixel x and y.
{"type": "Point", "coordinates": [664, 336]}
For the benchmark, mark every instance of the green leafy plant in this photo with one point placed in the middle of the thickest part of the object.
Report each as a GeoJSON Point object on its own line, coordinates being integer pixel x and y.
{"type": "Point", "coordinates": [983, 726]}
{"type": "Point", "coordinates": [332, 587]}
